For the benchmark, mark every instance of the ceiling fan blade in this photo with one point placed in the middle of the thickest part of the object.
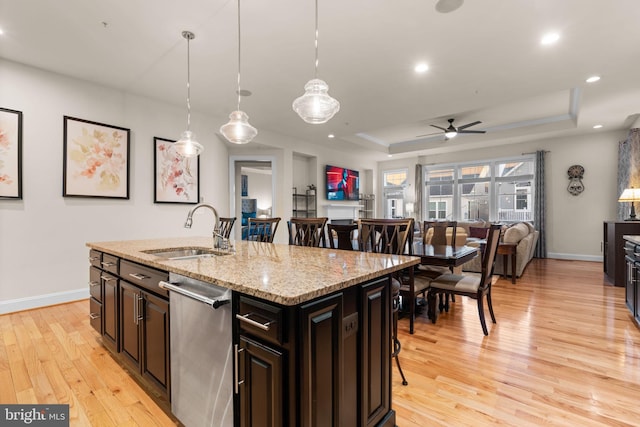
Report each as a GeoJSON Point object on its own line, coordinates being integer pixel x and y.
{"type": "Point", "coordinates": [468, 125]}
{"type": "Point", "coordinates": [471, 131]}
{"type": "Point", "coordinates": [438, 127]}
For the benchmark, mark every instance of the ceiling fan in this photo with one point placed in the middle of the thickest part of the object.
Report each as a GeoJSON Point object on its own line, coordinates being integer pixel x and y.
{"type": "Point", "coordinates": [452, 131]}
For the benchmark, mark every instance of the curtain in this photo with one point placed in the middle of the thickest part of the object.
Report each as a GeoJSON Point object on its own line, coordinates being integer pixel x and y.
{"type": "Point", "coordinates": [540, 206]}
{"type": "Point", "coordinates": [419, 188]}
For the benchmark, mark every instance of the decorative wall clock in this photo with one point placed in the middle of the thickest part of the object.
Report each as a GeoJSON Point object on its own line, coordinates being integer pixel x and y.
{"type": "Point", "coordinates": [575, 173]}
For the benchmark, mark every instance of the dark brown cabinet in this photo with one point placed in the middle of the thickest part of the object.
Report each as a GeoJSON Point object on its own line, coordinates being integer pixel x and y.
{"type": "Point", "coordinates": [131, 313]}
{"type": "Point", "coordinates": [260, 387]}
{"type": "Point", "coordinates": [322, 363]}
{"type": "Point", "coordinates": [613, 249]}
{"type": "Point", "coordinates": [144, 333]}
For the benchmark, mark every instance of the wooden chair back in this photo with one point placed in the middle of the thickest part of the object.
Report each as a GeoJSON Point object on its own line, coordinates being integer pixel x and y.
{"type": "Point", "coordinates": [262, 229]}
{"type": "Point", "coordinates": [439, 232]}
{"type": "Point", "coordinates": [307, 231]}
{"type": "Point", "coordinates": [489, 254]}
{"type": "Point", "coordinates": [225, 225]}
{"type": "Point", "coordinates": [389, 236]}
{"type": "Point", "coordinates": [343, 236]}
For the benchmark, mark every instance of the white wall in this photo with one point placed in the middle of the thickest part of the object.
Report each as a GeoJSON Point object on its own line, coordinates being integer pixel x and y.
{"type": "Point", "coordinates": [574, 223]}
{"type": "Point", "coordinates": [259, 186]}
{"type": "Point", "coordinates": [43, 257]}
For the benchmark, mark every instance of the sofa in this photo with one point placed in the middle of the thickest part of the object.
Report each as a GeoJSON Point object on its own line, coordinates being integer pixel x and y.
{"type": "Point", "coordinates": [521, 233]}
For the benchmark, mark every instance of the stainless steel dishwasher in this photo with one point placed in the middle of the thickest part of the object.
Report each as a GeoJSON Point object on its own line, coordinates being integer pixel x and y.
{"type": "Point", "coordinates": [201, 352]}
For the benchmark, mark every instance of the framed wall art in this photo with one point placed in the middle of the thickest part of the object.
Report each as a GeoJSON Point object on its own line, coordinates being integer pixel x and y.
{"type": "Point", "coordinates": [244, 185]}
{"type": "Point", "coordinates": [96, 159]}
{"type": "Point", "coordinates": [10, 154]}
{"type": "Point", "coordinates": [176, 178]}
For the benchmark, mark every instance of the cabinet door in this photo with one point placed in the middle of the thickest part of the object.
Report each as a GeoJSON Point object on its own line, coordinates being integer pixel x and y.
{"type": "Point", "coordinates": [260, 393]}
{"type": "Point", "coordinates": [321, 353]}
{"type": "Point", "coordinates": [375, 351]}
{"type": "Point", "coordinates": [129, 320]}
{"type": "Point", "coordinates": [155, 339]}
{"type": "Point", "coordinates": [110, 310]}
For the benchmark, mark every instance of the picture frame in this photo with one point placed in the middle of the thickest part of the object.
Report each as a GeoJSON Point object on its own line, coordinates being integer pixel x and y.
{"type": "Point", "coordinates": [10, 154]}
{"type": "Point", "coordinates": [176, 178]}
{"type": "Point", "coordinates": [244, 185]}
{"type": "Point", "coordinates": [95, 160]}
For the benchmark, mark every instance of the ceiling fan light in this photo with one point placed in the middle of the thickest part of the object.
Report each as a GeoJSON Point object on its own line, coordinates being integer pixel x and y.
{"type": "Point", "coordinates": [316, 106]}
{"type": "Point", "coordinates": [450, 134]}
{"type": "Point", "coordinates": [187, 146]}
{"type": "Point", "coordinates": [238, 130]}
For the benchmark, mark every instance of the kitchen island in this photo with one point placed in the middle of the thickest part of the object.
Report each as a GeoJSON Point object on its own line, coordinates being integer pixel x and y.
{"type": "Point", "coordinates": [315, 350]}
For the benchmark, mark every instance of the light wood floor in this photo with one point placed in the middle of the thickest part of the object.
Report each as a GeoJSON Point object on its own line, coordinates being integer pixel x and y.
{"type": "Point", "coordinates": [563, 353]}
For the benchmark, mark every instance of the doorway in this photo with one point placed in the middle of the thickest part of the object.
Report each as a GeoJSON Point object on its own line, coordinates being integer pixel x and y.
{"type": "Point", "coordinates": [251, 192]}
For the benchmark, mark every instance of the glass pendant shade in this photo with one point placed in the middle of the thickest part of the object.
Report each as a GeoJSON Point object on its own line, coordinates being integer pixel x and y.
{"type": "Point", "coordinates": [316, 105]}
{"type": "Point", "coordinates": [238, 130]}
{"type": "Point", "coordinates": [187, 146]}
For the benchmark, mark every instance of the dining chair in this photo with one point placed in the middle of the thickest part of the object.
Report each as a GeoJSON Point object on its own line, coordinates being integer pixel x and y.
{"type": "Point", "coordinates": [262, 229]}
{"type": "Point", "coordinates": [307, 231]}
{"type": "Point", "coordinates": [470, 285]}
{"type": "Point", "coordinates": [438, 233]}
{"type": "Point", "coordinates": [391, 236]}
{"type": "Point", "coordinates": [341, 236]}
{"type": "Point", "coordinates": [225, 225]}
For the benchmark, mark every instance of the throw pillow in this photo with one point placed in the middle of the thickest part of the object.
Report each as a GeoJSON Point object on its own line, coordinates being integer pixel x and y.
{"type": "Point", "coordinates": [478, 232]}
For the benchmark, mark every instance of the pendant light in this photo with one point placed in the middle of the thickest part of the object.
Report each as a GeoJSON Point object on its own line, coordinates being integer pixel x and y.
{"type": "Point", "coordinates": [187, 145]}
{"type": "Point", "coordinates": [238, 130]}
{"type": "Point", "coordinates": [316, 105]}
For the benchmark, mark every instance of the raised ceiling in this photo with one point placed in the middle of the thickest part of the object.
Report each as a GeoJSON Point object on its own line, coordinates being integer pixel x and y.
{"type": "Point", "coordinates": [485, 63]}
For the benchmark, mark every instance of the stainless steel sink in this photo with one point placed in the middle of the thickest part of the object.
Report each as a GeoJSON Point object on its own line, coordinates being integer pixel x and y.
{"type": "Point", "coordinates": [187, 253]}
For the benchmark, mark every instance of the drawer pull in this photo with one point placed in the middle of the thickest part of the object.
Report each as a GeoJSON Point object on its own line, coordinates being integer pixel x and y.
{"type": "Point", "coordinates": [107, 278]}
{"type": "Point", "coordinates": [139, 276]}
{"type": "Point", "coordinates": [94, 316]}
{"type": "Point", "coordinates": [245, 318]}
{"type": "Point", "coordinates": [93, 258]}
{"type": "Point", "coordinates": [92, 284]}
{"type": "Point", "coordinates": [108, 264]}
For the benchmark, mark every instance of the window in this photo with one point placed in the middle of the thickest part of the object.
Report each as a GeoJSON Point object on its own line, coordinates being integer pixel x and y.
{"type": "Point", "coordinates": [394, 183]}
{"type": "Point", "coordinates": [493, 190]}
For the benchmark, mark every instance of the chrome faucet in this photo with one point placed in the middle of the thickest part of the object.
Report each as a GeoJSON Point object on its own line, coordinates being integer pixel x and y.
{"type": "Point", "coordinates": [219, 241]}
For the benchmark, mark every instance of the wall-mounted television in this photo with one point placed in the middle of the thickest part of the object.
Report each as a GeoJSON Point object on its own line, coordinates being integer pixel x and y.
{"type": "Point", "coordinates": [342, 183]}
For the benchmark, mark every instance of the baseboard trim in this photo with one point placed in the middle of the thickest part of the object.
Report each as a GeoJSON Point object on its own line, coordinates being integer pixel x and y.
{"type": "Point", "coordinates": [38, 301]}
{"type": "Point", "coordinates": [575, 257]}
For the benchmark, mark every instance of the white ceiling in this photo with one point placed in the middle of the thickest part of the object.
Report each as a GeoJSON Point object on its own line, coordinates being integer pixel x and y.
{"type": "Point", "coordinates": [486, 63]}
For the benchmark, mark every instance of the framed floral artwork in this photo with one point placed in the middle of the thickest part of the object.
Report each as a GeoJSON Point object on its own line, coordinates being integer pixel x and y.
{"type": "Point", "coordinates": [95, 160]}
{"type": "Point", "coordinates": [10, 154]}
{"type": "Point", "coordinates": [177, 178]}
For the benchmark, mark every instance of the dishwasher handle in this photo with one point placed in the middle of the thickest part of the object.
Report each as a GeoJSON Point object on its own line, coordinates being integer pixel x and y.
{"type": "Point", "coordinates": [215, 303]}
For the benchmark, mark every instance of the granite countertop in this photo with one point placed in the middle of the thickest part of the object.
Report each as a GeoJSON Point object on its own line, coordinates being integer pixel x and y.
{"type": "Point", "coordinates": [284, 274]}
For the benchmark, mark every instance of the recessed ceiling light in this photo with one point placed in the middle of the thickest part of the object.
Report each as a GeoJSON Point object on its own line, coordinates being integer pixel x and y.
{"type": "Point", "coordinates": [421, 68]}
{"type": "Point", "coordinates": [389, 155]}
{"type": "Point", "coordinates": [331, 135]}
{"type": "Point", "coordinates": [593, 79]}
{"type": "Point", "coordinates": [1, 32]}
{"type": "Point", "coordinates": [597, 126]}
{"type": "Point", "coordinates": [550, 38]}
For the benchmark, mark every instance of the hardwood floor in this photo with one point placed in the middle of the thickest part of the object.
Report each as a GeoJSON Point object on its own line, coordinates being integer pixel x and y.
{"type": "Point", "coordinates": [564, 352]}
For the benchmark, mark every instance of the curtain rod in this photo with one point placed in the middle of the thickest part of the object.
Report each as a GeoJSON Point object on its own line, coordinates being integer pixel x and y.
{"type": "Point", "coordinates": [545, 151]}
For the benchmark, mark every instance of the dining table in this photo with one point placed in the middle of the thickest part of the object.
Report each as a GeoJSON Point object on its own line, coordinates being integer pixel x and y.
{"type": "Point", "coordinates": [438, 255]}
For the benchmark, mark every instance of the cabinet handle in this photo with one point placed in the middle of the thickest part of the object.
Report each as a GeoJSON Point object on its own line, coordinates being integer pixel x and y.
{"type": "Point", "coordinates": [245, 318]}
{"type": "Point", "coordinates": [107, 278]}
{"type": "Point", "coordinates": [92, 258]}
{"type": "Point", "coordinates": [94, 316]}
{"type": "Point", "coordinates": [92, 284]}
{"type": "Point", "coordinates": [236, 375]}
{"type": "Point", "coordinates": [139, 276]}
{"type": "Point", "coordinates": [140, 308]}
{"type": "Point", "coordinates": [107, 264]}
{"type": "Point", "coordinates": [135, 308]}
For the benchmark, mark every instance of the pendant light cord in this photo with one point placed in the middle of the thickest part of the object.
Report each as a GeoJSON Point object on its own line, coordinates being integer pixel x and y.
{"type": "Point", "coordinates": [316, 71]}
{"type": "Point", "coordinates": [239, 92]}
{"type": "Point", "coordinates": [188, 36]}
